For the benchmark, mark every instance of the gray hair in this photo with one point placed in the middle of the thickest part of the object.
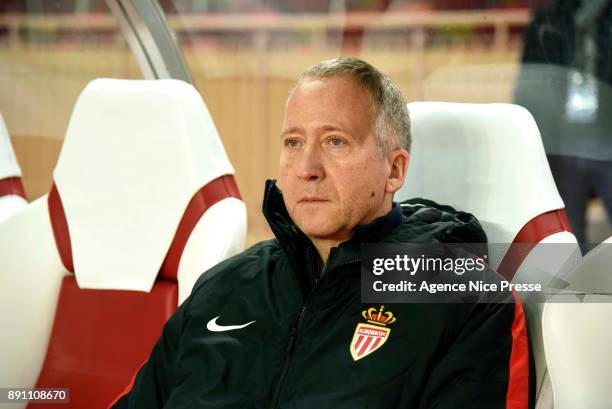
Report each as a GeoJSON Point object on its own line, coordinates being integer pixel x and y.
{"type": "Point", "coordinates": [388, 108]}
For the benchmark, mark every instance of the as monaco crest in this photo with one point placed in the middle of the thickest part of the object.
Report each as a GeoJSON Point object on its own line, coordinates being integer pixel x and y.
{"type": "Point", "coordinates": [370, 336]}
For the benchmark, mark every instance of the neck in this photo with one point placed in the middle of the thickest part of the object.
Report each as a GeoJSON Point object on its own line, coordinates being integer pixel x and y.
{"type": "Point", "coordinates": [324, 246]}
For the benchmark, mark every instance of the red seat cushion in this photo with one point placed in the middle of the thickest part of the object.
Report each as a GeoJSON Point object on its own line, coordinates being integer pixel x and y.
{"type": "Point", "coordinates": [100, 338]}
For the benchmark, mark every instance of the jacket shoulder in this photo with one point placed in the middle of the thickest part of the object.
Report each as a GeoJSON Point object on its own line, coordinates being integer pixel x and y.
{"type": "Point", "coordinates": [249, 262]}
{"type": "Point", "coordinates": [443, 223]}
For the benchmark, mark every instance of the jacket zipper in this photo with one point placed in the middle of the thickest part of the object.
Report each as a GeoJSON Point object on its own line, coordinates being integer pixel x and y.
{"type": "Point", "coordinates": [294, 330]}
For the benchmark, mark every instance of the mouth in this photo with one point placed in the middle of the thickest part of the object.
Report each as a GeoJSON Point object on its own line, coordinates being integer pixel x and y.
{"type": "Point", "coordinates": [312, 200]}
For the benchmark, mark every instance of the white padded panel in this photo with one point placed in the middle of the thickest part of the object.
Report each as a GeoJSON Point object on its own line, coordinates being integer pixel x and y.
{"type": "Point", "coordinates": [595, 272]}
{"type": "Point", "coordinates": [219, 234]}
{"type": "Point", "coordinates": [8, 162]}
{"type": "Point", "coordinates": [135, 153]}
{"type": "Point", "coordinates": [10, 205]}
{"type": "Point", "coordinates": [551, 258]}
{"type": "Point", "coordinates": [30, 276]}
{"type": "Point", "coordinates": [577, 339]}
{"type": "Point", "coordinates": [486, 159]}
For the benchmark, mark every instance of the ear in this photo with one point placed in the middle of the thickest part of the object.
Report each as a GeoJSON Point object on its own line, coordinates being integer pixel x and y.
{"type": "Point", "coordinates": [398, 160]}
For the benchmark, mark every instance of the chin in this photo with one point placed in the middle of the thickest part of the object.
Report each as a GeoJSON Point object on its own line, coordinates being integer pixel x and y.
{"type": "Point", "coordinates": [322, 229]}
{"type": "Point", "coordinates": [317, 232]}
{"type": "Point", "coordinates": [321, 222]}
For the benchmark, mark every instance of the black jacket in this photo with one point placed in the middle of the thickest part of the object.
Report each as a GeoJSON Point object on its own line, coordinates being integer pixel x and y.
{"type": "Point", "coordinates": [296, 352]}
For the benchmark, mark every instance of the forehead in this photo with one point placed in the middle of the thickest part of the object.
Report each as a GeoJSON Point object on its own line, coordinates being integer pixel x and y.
{"type": "Point", "coordinates": [344, 84]}
{"type": "Point", "coordinates": [334, 100]}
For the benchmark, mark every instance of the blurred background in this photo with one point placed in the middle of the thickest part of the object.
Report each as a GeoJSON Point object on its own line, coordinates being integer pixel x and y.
{"type": "Point", "coordinates": [244, 55]}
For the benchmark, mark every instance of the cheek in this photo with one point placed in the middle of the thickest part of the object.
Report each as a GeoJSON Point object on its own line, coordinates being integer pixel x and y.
{"type": "Point", "coordinates": [283, 174]}
{"type": "Point", "coordinates": [363, 182]}
{"type": "Point", "coordinates": [354, 180]}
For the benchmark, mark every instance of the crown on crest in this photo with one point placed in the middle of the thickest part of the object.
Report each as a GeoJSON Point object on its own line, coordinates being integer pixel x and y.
{"type": "Point", "coordinates": [378, 317]}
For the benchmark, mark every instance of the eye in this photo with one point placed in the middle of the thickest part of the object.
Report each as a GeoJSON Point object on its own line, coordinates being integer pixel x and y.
{"type": "Point", "coordinates": [292, 142]}
{"type": "Point", "coordinates": [335, 141]}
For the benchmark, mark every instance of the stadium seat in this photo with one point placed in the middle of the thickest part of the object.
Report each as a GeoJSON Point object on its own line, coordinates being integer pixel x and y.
{"type": "Point", "coordinates": [143, 201]}
{"type": "Point", "coordinates": [12, 194]}
{"type": "Point", "coordinates": [578, 334]}
{"type": "Point", "coordinates": [494, 166]}
{"type": "Point", "coordinates": [577, 339]}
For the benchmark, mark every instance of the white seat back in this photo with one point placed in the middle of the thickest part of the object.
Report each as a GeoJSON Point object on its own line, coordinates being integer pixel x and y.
{"type": "Point", "coordinates": [487, 159]}
{"type": "Point", "coordinates": [578, 334]}
{"type": "Point", "coordinates": [30, 275]}
{"type": "Point", "coordinates": [134, 155]}
{"type": "Point", "coordinates": [577, 339]}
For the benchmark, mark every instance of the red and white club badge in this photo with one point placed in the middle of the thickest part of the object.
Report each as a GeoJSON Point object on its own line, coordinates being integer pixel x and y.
{"type": "Point", "coordinates": [371, 336]}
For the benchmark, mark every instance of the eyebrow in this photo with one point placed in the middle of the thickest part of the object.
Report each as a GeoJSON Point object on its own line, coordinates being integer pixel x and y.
{"type": "Point", "coordinates": [293, 129]}
{"type": "Point", "coordinates": [297, 129]}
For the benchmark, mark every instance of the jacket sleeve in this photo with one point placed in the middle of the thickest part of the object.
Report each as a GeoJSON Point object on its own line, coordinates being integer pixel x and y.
{"type": "Point", "coordinates": [154, 381]}
{"type": "Point", "coordinates": [487, 365]}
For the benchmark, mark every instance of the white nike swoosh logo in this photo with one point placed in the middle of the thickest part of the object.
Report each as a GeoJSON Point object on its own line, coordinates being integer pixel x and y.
{"type": "Point", "coordinates": [214, 327]}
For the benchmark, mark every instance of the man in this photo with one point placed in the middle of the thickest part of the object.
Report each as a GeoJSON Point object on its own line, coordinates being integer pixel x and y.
{"type": "Point", "coordinates": [278, 325]}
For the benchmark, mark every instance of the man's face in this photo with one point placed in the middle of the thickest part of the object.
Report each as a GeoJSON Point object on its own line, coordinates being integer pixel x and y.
{"type": "Point", "coordinates": [331, 173]}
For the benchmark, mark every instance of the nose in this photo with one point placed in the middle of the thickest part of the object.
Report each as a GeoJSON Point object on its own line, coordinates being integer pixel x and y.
{"type": "Point", "coordinates": [310, 166]}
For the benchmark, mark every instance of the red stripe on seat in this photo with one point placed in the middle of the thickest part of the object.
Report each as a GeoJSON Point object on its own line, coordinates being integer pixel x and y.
{"type": "Point", "coordinates": [60, 228]}
{"type": "Point", "coordinates": [531, 234]}
{"type": "Point", "coordinates": [214, 191]}
{"type": "Point", "coordinates": [12, 186]}
{"type": "Point", "coordinates": [517, 396]}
